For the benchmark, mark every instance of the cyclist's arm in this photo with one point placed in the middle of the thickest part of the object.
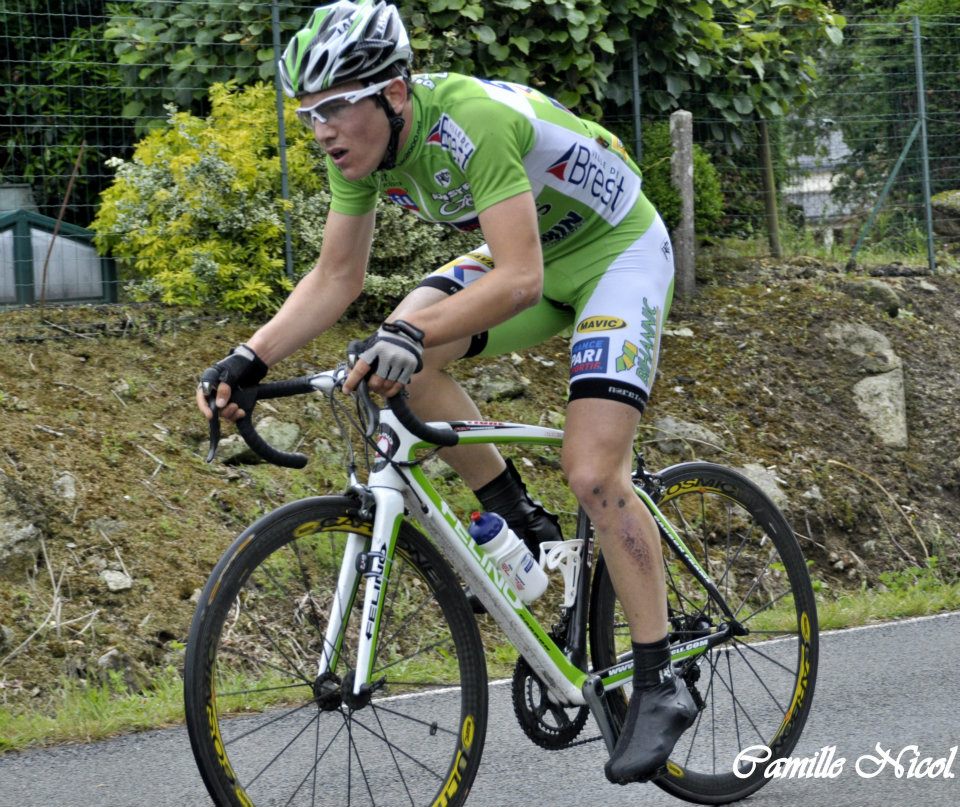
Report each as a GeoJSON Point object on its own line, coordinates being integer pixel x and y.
{"type": "Point", "coordinates": [511, 231]}
{"type": "Point", "coordinates": [317, 302]}
{"type": "Point", "coordinates": [324, 293]}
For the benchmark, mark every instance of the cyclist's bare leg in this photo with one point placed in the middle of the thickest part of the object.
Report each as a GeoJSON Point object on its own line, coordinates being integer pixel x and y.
{"type": "Point", "coordinates": [434, 395]}
{"type": "Point", "coordinates": [597, 452]}
{"type": "Point", "coordinates": [597, 457]}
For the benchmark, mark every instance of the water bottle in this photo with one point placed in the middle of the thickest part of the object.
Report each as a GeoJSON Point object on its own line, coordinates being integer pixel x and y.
{"type": "Point", "coordinates": [510, 554]}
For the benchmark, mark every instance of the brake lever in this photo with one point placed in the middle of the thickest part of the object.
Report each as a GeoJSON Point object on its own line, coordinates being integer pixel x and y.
{"type": "Point", "coordinates": [209, 381]}
{"type": "Point", "coordinates": [371, 410]}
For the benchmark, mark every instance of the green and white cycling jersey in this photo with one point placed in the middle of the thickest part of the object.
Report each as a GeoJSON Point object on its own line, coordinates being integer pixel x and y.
{"type": "Point", "coordinates": [474, 143]}
{"type": "Point", "coordinates": [608, 266]}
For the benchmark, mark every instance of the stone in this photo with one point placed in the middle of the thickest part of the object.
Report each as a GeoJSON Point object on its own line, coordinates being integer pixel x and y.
{"type": "Point", "coordinates": [503, 388]}
{"type": "Point", "coordinates": [814, 494]}
{"type": "Point", "coordinates": [116, 664]}
{"type": "Point", "coordinates": [767, 481]}
{"type": "Point", "coordinates": [280, 434]}
{"type": "Point", "coordinates": [870, 346]}
{"type": "Point", "coordinates": [65, 486]}
{"type": "Point", "coordinates": [116, 580]}
{"type": "Point", "coordinates": [673, 436]}
{"type": "Point", "coordinates": [875, 292]}
{"type": "Point", "coordinates": [6, 637]}
{"type": "Point", "coordinates": [946, 213]}
{"type": "Point", "coordinates": [880, 399]}
{"type": "Point", "coordinates": [19, 536]}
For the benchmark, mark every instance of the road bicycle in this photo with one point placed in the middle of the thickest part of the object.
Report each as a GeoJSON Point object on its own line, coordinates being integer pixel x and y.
{"type": "Point", "coordinates": [334, 658]}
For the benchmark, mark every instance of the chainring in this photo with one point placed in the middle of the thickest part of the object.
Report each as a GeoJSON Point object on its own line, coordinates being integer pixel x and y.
{"type": "Point", "coordinates": [548, 724]}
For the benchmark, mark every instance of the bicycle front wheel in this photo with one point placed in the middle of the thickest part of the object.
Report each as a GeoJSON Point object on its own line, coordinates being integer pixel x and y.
{"type": "Point", "coordinates": [266, 729]}
{"type": "Point", "coordinates": [756, 689]}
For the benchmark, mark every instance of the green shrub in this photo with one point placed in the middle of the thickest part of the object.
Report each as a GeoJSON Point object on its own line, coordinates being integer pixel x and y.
{"type": "Point", "coordinates": [707, 196]}
{"type": "Point", "coordinates": [196, 216]}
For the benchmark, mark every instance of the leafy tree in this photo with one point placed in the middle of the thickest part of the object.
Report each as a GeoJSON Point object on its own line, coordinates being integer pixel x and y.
{"type": "Point", "coordinates": [878, 69]}
{"type": "Point", "coordinates": [732, 59]}
{"type": "Point", "coordinates": [59, 88]}
{"type": "Point", "coordinates": [196, 216]}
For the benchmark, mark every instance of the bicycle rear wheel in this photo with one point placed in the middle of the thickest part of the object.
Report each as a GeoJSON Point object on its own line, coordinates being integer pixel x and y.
{"type": "Point", "coordinates": [266, 730]}
{"type": "Point", "coordinates": [756, 689]}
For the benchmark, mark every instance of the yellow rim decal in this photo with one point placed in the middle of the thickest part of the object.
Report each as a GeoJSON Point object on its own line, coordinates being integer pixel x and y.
{"type": "Point", "coordinates": [674, 770]}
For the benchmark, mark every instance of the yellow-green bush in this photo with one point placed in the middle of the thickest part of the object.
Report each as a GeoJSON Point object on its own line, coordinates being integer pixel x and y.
{"type": "Point", "coordinates": [657, 185]}
{"type": "Point", "coordinates": [196, 216]}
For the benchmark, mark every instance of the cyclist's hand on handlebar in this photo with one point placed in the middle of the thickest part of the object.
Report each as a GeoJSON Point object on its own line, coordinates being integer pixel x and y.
{"type": "Point", "coordinates": [393, 354]}
{"type": "Point", "coordinates": [242, 367]}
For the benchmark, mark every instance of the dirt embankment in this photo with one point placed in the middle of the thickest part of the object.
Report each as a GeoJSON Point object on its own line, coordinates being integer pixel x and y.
{"type": "Point", "coordinates": [113, 521]}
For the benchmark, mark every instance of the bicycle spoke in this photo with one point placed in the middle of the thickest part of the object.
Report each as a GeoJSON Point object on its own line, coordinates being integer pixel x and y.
{"type": "Point", "coordinates": [748, 646]}
{"type": "Point", "coordinates": [397, 748]}
{"type": "Point", "coordinates": [235, 692]}
{"type": "Point", "coordinates": [270, 722]}
{"type": "Point", "coordinates": [393, 756]}
{"type": "Point", "coordinates": [280, 752]}
{"type": "Point", "coordinates": [410, 718]}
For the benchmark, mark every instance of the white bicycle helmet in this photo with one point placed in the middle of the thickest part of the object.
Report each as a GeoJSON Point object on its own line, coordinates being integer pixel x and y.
{"type": "Point", "coordinates": [344, 41]}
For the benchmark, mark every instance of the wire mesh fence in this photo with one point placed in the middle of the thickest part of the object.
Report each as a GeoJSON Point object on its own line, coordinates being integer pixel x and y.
{"type": "Point", "coordinates": [864, 169]}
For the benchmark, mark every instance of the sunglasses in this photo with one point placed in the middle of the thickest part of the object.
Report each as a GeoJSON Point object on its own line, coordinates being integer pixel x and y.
{"type": "Point", "coordinates": [330, 109]}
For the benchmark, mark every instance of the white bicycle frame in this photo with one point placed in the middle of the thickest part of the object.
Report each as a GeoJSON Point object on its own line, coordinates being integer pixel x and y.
{"type": "Point", "coordinates": [398, 494]}
{"type": "Point", "coordinates": [404, 491]}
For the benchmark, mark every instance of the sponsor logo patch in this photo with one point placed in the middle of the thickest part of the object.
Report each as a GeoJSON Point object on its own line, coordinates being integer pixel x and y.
{"type": "Point", "coordinates": [589, 171]}
{"type": "Point", "coordinates": [567, 225]}
{"type": "Point", "coordinates": [601, 323]}
{"type": "Point", "coordinates": [589, 356]}
{"type": "Point", "coordinates": [447, 134]}
{"type": "Point", "coordinates": [402, 197]}
{"type": "Point", "coordinates": [641, 357]}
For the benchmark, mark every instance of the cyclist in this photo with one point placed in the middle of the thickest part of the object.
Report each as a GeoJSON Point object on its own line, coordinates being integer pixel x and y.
{"type": "Point", "coordinates": [570, 240]}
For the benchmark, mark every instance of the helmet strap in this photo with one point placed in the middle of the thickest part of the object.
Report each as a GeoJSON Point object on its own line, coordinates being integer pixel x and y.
{"type": "Point", "coordinates": [396, 126]}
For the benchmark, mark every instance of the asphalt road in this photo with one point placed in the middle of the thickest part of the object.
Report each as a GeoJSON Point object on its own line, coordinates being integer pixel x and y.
{"type": "Point", "coordinates": [895, 685]}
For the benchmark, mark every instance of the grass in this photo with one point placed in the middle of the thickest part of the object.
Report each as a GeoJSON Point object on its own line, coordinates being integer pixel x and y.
{"type": "Point", "coordinates": [85, 713]}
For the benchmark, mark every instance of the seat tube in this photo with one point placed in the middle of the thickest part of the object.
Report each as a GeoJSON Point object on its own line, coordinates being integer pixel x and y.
{"type": "Point", "coordinates": [376, 569]}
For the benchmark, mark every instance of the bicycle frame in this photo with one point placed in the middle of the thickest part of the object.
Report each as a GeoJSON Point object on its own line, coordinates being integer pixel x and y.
{"type": "Point", "coordinates": [397, 489]}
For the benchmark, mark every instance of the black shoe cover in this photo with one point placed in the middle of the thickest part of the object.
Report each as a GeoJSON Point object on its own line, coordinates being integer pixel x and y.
{"type": "Point", "coordinates": [655, 720]}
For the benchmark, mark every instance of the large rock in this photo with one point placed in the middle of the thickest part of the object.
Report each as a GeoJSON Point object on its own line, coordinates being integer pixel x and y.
{"type": "Point", "coordinates": [880, 396]}
{"type": "Point", "coordinates": [880, 400]}
{"type": "Point", "coordinates": [946, 213]}
{"type": "Point", "coordinates": [281, 435]}
{"type": "Point", "coordinates": [684, 439]}
{"type": "Point", "coordinates": [767, 481]}
{"type": "Point", "coordinates": [875, 292]}
{"type": "Point", "coordinates": [872, 348]}
{"type": "Point", "coordinates": [19, 536]}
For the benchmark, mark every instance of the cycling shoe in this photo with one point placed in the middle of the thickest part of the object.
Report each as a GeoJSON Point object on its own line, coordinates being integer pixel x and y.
{"type": "Point", "coordinates": [655, 720]}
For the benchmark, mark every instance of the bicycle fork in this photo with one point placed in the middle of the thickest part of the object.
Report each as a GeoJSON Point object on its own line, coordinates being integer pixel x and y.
{"type": "Point", "coordinates": [373, 566]}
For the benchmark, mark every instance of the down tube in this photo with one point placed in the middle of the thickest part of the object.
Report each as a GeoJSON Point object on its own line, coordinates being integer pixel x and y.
{"type": "Point", "coordinates": [502, 602]}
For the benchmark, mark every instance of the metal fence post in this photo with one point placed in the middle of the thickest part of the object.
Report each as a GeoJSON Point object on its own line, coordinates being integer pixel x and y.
{"type": "Point", "coordinates": [282, 137]}
{"type": "Point", "coordinates": [924, 154]}
{"type": "Point", "coordinates": [681, 175]}
{"type": "Point", "coordinates": [637, 126]}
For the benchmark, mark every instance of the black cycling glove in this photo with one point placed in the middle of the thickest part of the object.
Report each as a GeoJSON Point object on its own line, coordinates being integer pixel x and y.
{"type": "Point", "coordinates": [395, 351]}
{"type": "Point", "coordinates": [241, 368]}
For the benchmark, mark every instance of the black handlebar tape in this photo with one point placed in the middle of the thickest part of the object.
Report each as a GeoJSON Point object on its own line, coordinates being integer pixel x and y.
{"type": "Point", "coordinates": [262, 448]}
{"type": "Point", "coordinates": [284, 389]}
{"type": "Point", "coordinates": [441, 437]}
{"type": "Point", "coordinates": [246, 399]}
